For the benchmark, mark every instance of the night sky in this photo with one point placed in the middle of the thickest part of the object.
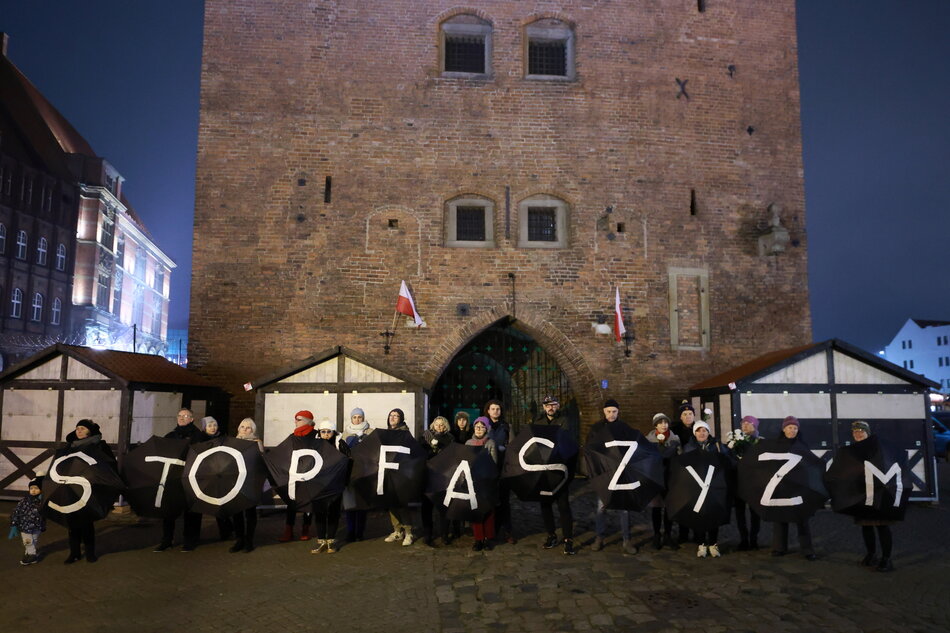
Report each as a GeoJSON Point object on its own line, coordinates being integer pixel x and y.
{"type": "Point", "coordinates": [875, 92]}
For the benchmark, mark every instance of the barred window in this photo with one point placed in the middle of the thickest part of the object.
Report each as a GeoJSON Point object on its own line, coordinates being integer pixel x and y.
{"type": "Point", "coordinates": [542, 222]}
{"type": "Point", "coordinates": [549, 50]}
{"type": "Point", "coordinates": [469, 222]}
{"type": "Point", "coordinates": [466, 46]}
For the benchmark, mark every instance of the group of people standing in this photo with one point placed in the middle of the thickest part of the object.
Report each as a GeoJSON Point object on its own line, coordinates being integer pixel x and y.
{"type": "Point", "coordinates": [493, 434]}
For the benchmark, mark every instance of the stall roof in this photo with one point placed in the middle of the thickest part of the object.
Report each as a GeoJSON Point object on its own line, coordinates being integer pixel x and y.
{"type": "Point", "coordinates": [320, 357]}
{"type": "Point", "coordinates": [126, 367]}
{"type": "Point", "coordinates": [768, 363]}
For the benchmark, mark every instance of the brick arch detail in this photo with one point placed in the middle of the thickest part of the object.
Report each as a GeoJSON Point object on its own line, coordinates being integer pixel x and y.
{"type": "Point", "coordinates": [565, 352]}
{"type": "Point", "coordinates": [450, 13]}
{"type": "Point", "coordinates": [367, 246]}
{"type": "Point", "coordinates": [548, 15]}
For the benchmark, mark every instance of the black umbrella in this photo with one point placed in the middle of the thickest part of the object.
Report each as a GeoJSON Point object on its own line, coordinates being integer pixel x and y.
{"type": "Point", "coordinates": [152, 472]}
{"type": "Point", "coordinates": [470, 474]}
{"type": "Point", "coordinates": [782, 481]}
{"type": "Point", "coordinates": [699, 492]}
{"type": "Point", "coordinates": [224, 476]}
{"type": "Point", "coordinates": [81, 485]}
{"type": "Point", "coordinates": [870, 480]}
{"type": "Point", "coordinates": [624, 467]}
{"type": "Point", "coordinates": [540, 461]}
{"type": "Point", "coordinates": [388, 471]}
{"type": "Point", "coordinates": [307, 469]}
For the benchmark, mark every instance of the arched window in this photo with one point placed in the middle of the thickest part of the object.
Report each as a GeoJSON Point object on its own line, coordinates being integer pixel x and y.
{"type": "Point", "coordinates": [3, 239]}
{"type": "Point", "coordinates": [16, 303]}
{"type": "Point", "coordinates": [56, 312]}
{"type": "Point", "coordinates": [550, 50]}
{"type": "Point", "coordinates": [61, 257]}
{"type": "Point", "coordinates": [42, 247]}
{"type": "Point", "coordinates": [21, 240]}
{"type": "Point", "coordinates": [37, 307]}
{"type": "Point", "coordinates": [466, 46]}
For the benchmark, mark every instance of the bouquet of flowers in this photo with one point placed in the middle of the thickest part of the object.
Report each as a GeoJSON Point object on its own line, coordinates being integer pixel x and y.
{"type": "Point", "coordinates": [738, 442]}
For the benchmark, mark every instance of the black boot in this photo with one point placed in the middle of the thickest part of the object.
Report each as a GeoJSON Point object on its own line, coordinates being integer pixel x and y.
{"type": "Point", "coordinates": [657, 541]}
{"type": "Point", "coordinates": [237, 547]}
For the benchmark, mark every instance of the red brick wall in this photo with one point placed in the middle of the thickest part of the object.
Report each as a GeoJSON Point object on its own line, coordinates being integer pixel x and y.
{"type": "Point", "coordinates": [295, 92]}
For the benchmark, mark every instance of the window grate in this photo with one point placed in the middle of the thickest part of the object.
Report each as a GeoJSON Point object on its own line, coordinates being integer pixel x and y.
{"type": "Point", "coordinates": [465, 54]}
{"type": "Point", "coordinates": [547, 58]}
{"type": "Point", "coordinates": [542, 224]}
{"type": "Point", "coordinates": [470, 224]}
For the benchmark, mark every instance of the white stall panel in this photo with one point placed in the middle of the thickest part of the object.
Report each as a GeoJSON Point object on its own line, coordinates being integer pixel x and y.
{"type": "Point", "coordinates": [779, 405]}
{"type": "Point", "coordinates": [279, 410]}
{"type": "Point", "coordinates": [378, 405]}
{"type": "Point", "coordinates": [153, 413]}
{"type": "Point", "coordinates": [324, 372]}
{"type": "Point", "coordinates": [26, 454]}
{"type": "Point", "coordinates": [100, 406]}
{"type": "Point", "coordinates": [29, 415]}
{"type": "Point", "coordinates": [725, 414]}
{"type": "Point", "coordinates": [852, 371]}
{"type": "Point", "coordinates": [354, 371]}
{"type": "Point", "coordinates": [874, 406]}
{"type": "Point", "coordinates": [811, 370]}
{"type": "Point", "coordinates": [47, 371]}
{"type": "Point", "coordinates": [76, 370]}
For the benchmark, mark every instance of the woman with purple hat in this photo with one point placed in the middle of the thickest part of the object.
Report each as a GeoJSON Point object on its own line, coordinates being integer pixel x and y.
{"type": "Point", "coordinates": [790, 435]}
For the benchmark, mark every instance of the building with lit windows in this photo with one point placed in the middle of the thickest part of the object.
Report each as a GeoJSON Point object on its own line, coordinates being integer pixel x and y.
{"type": "Point", "coordinates": [923, 347]}
{"type": "Point", "coordinates": [77, 265]}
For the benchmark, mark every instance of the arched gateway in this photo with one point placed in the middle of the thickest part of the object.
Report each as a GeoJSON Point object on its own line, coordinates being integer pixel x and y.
{"type": "Point", "coordinates": [512, 361]}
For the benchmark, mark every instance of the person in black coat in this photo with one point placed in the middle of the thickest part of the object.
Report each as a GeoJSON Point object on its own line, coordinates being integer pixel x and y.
{"type": "Point", "coordinates": [434, 440]}
{"type": "Point", "coordinates": [500, 434]}
{"type": "Point", "coordinates": [551, 416]}
{"type": "Point", "coordinates": [703, 440]}
{"type": "Point", "coordinates": [326, 512]}
{"type": "Point", "coordinates": [865, 445]}
{"type": "Point", "coordinates": [82, 531]}
{"type": "Point", "coordinates": [790, 435]}
{"type": "Point", "coordinates": [184, 430]}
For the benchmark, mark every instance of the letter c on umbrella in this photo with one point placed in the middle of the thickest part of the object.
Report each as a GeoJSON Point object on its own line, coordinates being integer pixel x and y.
{"type": "Point", "coordinates": [537, 467]}
{"type": "Point", "coordinates": [67, 479]}
{"type": "Point", "coordinates": [242, 475]}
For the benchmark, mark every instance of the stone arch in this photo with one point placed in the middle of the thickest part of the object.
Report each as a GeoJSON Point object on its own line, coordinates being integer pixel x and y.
{"type": "Point", "coordinates": [450, 13]}
{"type": "Point", "coordinates": [568, 356]}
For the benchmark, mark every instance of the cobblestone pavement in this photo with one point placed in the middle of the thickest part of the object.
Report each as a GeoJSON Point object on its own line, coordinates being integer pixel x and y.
{"type": "Point", "coordinates": [377, 586]}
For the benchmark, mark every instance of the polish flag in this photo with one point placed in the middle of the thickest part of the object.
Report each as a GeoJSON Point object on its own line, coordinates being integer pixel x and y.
{"type": "Point", "coordinates": [619, 329]}
{"type": "Point", "coordinates": [405, 304]}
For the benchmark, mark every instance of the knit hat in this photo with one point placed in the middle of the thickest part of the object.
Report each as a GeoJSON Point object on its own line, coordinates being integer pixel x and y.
{"type": "Point", "coordinates": [482, 420]}
{"type": "Point", "coordinates": [861, 425]}
{"type": "Point", "coordinates": [462, 415]}
{"type": "Point", "coordinates": [700, 425]}
{"type": "Point", "coordinates": [610, 402]}
{"type": "Point", "coordinates": [304, 414]}
{"type": "Point", "coordinates": [91, 426]}
{"type": "Point", "coordinates": [36, 481]}
{"type": "Point", "coordinates": [326, 425]}
{"type": "Point", "coordinates": [791, 421]}
{"type": "Point", "coordinates": [357, 411]}
{"type": "Point", "coordinates": [660, 417]}
{"type": "Point", "coordinates": [686, 406]}
{"type": "Point", "coordinates": [549, 400]}
{"type": "Point", "coordinates": [751, 419]}
{"type": "Point", "coordinates": [205, 420]}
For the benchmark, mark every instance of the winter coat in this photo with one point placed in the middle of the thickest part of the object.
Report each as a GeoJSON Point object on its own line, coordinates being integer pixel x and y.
{"type": "Point", "coordinates": [683, 432]}
{"type": "Point", "coordinates": [26, 515]}
{"type": "Point", "coordinates": [670, 447]}
{"type": "Point", "coordinates": [73, 443]}
{"type": "Point", "coordinates": [558, 420]}
{"type": "Point", "coordinates": [433, 442]}
{"type": "Point", "coordinates": [488, 445]}
{"type": "Point", "coordinates": [188, 432]}
{"type": "Point", "coordinates": [712, 445]}
{"type": "Point", "coordinates": [500, 433]}
{"type": "Point", "coordinates": [354, 439]}
{"type": "Point", "coordinates": [463, 435]}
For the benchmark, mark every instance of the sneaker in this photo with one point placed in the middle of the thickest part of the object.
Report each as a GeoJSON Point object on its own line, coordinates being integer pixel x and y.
{"type": "Point", "coordinates": [714, 550]}
{"type": "Point", "coordinates": [598, 544]}
{"type": "Point", "coordinates": [569, 547]}
{"type": "Point", "coordinates": [331, 547]}
{"type": "Point", "coordinates": [319, 548]}
{"type": "Point", "coordinates": [161, 547]}
{"type": "Point", "coordinates": [702, 552]}
{"type": "Point", "coordinates": [550, 541]}
{"type": "Point", "coordinates": [629, 548]}
{"type": "Point", "coordinates": [406, 542]}
{"type": "Point", "coordinates": [395, 536]}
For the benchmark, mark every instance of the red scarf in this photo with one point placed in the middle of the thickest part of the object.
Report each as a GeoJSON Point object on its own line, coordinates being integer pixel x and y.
{"type": "Point", "coordinates": [303, 430]}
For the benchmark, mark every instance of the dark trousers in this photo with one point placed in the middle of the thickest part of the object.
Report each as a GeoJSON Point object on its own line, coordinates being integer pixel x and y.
{"type": "Point", "coordinates": [754, 521]}
{"type": "Point", "coordinates": [563, 501]}
{"type": "Point", "coordinates": [503, 509]}
{"type": "Point", "coordinates": [661, 520]}
{"type": "Point", "coordinates": [291, 516]}
{"type": "Point", "coordinates": [427, 525]}
{"type": "Point", "coordinates": [326, 517]}
{"type": "Point", "coordinates": [780, 537]}
{"type": "Point", "coordinates": [191, 531]}
{"type": "Point", "coordinates": [82, 534]}
{"type": "Point", "coordinates": [883, 534]}
{"type": "Point", "coordinates": [710, 537]}
{"type": "Point", "coordinates": [355, 524]}
{"type": "Point", "coordinates": [245, 524]}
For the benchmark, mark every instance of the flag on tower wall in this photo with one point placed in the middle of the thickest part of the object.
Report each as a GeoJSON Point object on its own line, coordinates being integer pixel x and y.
{"type": "Point", "coordinates": [406, 305]}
